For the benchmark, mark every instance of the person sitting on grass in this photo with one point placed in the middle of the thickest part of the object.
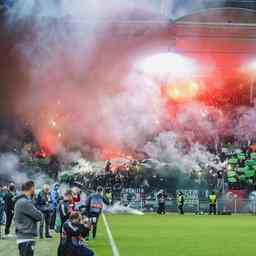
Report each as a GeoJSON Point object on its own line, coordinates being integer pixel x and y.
{"type": "Point", "coordinates": [73, 233]}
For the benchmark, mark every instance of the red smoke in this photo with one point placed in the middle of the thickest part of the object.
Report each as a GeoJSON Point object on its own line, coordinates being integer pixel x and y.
{"type": "Point", "coordinates": [112, 154]}
{"type": "Point", "coordinates": [49, 142]}
{"type": "Point", "coordinates": [87, 78]}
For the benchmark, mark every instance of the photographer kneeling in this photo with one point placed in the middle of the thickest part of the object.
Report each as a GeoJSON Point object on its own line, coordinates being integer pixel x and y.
{"type": "Point", "coordinates": [73, 233]}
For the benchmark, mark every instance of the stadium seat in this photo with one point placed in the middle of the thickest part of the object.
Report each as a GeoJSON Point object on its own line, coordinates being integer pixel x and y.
{"type": "Point", "coordinates": [242, 178]}
{"type": "Point", "coordinates": [231, 174]}
{"type": "Point", "coordinates": [233, 161]}
{"type": "Point", "coordinates": [250, 163]}
{"type": "Point", "coordinates": [250, 174]}
{"type": "Point", "coordinates": [232, 180]}
{"type": "Point", "coordinates": [241, 156]}
{"type": "Point", "coordinates": [244, 169]}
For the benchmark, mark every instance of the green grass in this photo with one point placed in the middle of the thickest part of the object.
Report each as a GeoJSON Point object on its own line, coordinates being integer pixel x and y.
{"type": "Point", "coordinates": [169, 235]}
{"type": "Point", "coordinates": [48, 247]}
{"type": "Point", "coordinates": [173, 235]}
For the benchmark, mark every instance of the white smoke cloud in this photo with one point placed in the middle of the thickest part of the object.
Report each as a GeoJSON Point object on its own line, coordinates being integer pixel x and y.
{"type": "Point", "coordinates": [133, 114]}
{"type": "Point", "coordinates": [90, 9]}
{"type": "Point", "coordinates": [74, 75]}
{"type": "Point", "coordinates": [10, 167]}
{"type": "Point", "coordinates": [245, 128]}
{"type": "Point", "coordinates": [95, 8]}
{"type": "Point", "coordinates": [168, 149]}
{"type": "Point", "coordinates": [200, 122]}
{"type": "Point", "coordinates": [118, 208]}
{"type": "Point", "coordinates": [78, 164]}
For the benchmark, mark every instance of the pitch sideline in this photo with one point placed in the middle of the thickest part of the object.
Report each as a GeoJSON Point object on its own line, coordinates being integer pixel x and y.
{"type": "Point", "coordinates": [113, 245]}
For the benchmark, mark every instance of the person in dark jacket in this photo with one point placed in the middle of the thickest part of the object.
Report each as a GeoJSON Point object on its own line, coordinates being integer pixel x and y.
{"type": "Point", "coordinates": [73, 233]}
{"type": "Point", "coordinates": [26, 216]}
{"type": "Point", "coordinates": [65, 207]}
{"type": "Point", "coordinates": [180, 202]}
{"type": "Point", "coordinates": [43, 204]}
{"type": "Point", "coordinates": [108, 166]}
{"type": "Point", "coordinates": [9, 201]}
{"type": "Point", "coordinates": [161, 198]}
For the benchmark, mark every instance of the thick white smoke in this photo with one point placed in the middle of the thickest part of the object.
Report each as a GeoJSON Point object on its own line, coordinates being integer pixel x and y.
{"type": "Point", "coordinates": [245, 127]}
{"type": "Point", "coordinates": [90, 9]}
{"type": "Point", "coordinates": [168, 149]}
{"type": "Point", "coordinates": [95, 9]}
{"type": "Point", "coordinates": [10, 167]}
{"type": "Point", "coordinates": [118, 208]}
{"type": "Point", "coordinates": [80, 78]}
{"type": "Point", "coordinates": [80, 85]}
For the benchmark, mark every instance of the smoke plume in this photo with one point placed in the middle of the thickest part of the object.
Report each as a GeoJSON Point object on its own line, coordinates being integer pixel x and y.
{"type": "Point", "coordinates": [10, 167]}
{"type": "Point", "coordinates": [79, 88]}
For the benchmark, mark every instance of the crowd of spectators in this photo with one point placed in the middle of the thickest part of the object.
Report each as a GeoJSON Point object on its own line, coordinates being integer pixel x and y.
{"type": "Point", "coordinates": [124, 176]}
{"type": "Point", "coordinates": [29, 207]}
{"type": "Point", "coordinates": [136, 174]}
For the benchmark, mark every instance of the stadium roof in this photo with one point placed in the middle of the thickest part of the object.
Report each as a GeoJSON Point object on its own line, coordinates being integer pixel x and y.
{"type": "Point", "coordinates": [248, 4]}
{"type": "Point", "coordinates": [180, 8]}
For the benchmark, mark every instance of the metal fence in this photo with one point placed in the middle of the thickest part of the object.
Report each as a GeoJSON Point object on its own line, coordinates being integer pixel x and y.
{"type": "Point", "coordinates": [236, 206]}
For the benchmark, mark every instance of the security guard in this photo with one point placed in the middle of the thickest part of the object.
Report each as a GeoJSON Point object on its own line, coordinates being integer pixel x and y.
{"type": "Point", "coordinates": [180, 202]}
{"type": "Point", "coordinates": [212, 203]}
{"type": "Point", "coordinates": [109, 196]}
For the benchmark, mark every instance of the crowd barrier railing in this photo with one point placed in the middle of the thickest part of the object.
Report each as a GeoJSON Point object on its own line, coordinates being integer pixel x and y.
{"type": "Point", "coordinates": [236, 206]}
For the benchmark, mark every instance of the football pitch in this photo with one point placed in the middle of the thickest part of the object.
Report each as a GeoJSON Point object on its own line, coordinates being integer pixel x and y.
{"type": "Point", "coordinates": [170, 235]}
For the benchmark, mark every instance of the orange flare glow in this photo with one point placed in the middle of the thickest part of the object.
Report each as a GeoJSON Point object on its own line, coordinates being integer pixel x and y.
{"type": "Point", "coordinates": [182, 91]}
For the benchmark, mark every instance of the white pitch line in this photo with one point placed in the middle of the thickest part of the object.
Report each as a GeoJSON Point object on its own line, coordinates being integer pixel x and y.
{"type": "Point", "coordinates": [114, 248]}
